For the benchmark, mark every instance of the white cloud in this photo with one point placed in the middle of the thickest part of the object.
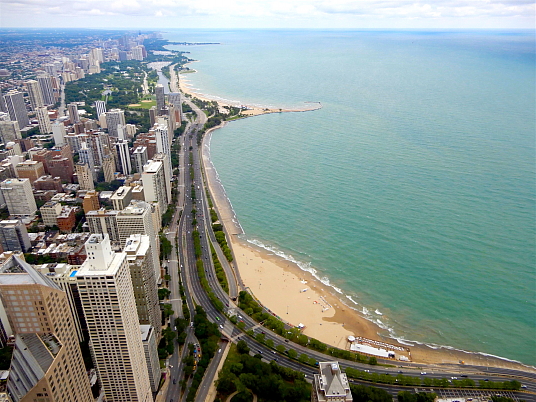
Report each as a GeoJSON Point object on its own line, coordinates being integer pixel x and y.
{"type": "Point", "coordinates": [271, 11]}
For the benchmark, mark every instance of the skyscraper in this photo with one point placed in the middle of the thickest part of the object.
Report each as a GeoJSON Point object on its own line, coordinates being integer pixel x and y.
{"type": "Point", "coordinates": [14, 236]}
{"type": "Point", "coordinates": [140, 158]}
{"type": "Point", "coordinates": [9, 131]}
{"type": "Point", "coordinates": [44, 121]}
{"type": "Point", "coordinates": [16, 108]}
{"type": "Point", "coordinates": [137, 219]}
{"type": "Point", "coordinates": [85, 176]}
{"type": "Point", "coordinates": [123, 155]}
{"type": "Point", "coordinates": [109, 306]}
{"type": "Point", "coordinates": [19, 197]}
{"type": "Point", "coordinates": [34, 92]}
{"type": "Point", "coordinates": [86, 156]}
{"type": "Point", "coordinates": [59, 133]}
{"type": "Point", "coordinates": [47, 91]}
{"type": "Point", "coordinates": [154, 185]}
{"type": "Point", "coordinates": [73, 113]}
{"type": "Point", "coordinates": [47, 363]}
{"type": "Point", "coordinates": [140, 261]}
{"type": "Point", "coordinates": [113, 118]}
{"type": "Point", "coordinates": [160, 98]}
{"type": "Point", "coordinates": [100, 107]}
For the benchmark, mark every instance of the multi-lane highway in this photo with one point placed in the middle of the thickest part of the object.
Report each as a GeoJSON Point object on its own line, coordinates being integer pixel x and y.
{"type": "Point", "coordinates": [192, 196]}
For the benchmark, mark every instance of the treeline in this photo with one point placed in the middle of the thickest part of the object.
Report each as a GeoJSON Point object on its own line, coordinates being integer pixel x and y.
{"type": "Point", "coordinates": [222, 241]}
{"type": "Point", "coordinates": [414, 381]}
{"type": "Point", "coordinates": [270, 382]}
{"type": "Point", "coordinates": [220, 273]}
{"type": "Point", "coordinates": [208, 335]}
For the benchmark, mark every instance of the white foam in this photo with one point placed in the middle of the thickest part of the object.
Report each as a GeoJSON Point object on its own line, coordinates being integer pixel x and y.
{"type": "Point", "coordinates": [352, 300]}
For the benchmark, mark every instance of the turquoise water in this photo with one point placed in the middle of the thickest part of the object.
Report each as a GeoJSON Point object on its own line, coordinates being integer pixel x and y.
{"type": "Point", "coordinates": [412, 191]}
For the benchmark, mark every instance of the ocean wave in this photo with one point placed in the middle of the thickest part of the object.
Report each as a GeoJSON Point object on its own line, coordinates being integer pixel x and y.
{"type": "Point", "coordinates": [351, 299]}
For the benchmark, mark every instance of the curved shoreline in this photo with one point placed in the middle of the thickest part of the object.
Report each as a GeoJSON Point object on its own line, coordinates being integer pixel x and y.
{"type": "Point", "coordinates": [342, 320]}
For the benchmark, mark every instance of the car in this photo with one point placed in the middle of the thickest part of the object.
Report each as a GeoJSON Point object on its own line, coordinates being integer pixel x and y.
{"type": "Point", "coordinates": [221, 326]}
{"type": "Point", "coordinates": [400, 371]}
{"type": "Point", "coordinates": [464, 375]}
{"type": "Point", "coordinates": [367, 371]}
{"type": "Point", "coordinates": [524, 386]}
{"type": "Point", "coordinates": [174, 381]}
{"type": "Point", "coordinates": [453, 378]}
{"type": "Point", "coordinates": [423, 372]}
{"type": "Point", "coordinates": [485, 379]}
{"type": "Point", "coordinates": [218, 318]}
{"type": "Point", "coordinates": [286, 340]}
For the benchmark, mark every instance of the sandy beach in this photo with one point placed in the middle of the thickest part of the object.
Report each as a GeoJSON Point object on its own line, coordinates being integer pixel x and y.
{"type": "Point", "coordinates": [297, 297]}
{"type": "Point", "coordinates": [249, 110]}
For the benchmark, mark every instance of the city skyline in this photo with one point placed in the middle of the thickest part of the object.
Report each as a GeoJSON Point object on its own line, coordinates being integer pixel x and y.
{"type": "Point", "coordinates": [367, 14]}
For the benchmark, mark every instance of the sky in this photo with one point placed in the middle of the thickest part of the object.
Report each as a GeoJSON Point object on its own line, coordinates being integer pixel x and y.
{"type": "Point", "coordinates": [355, 14]}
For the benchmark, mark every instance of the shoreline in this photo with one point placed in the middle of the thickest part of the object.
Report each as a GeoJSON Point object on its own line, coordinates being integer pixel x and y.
{"type": "Point", "coordinates": [332, 320]}
{"type": "Point", "coordinates": [248, 110]}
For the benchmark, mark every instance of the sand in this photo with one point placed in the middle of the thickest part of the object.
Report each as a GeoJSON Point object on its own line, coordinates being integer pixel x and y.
{"type": "Point", "coordinates": [248, 110]}
{"type": "Point", "coordinates": [298, 298]}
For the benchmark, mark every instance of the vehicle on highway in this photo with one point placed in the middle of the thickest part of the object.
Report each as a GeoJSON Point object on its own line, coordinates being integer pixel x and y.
{"type": "Point", "coordinates": [174, 381]}
{"type": "Point", "coordinates": [423, 372]}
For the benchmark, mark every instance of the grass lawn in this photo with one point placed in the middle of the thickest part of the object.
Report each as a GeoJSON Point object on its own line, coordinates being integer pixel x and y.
{"type": "Point", "coordinates": [144, 105]}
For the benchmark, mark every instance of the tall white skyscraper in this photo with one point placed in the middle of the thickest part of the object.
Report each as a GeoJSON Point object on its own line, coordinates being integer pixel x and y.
{"type": "Point", "coordinates": [107, 297]}
{"type": "Point", "coordinates": [44, 121]}
{"type": "Point", "coordinates": [19, 196]}
{"type": "Point", "coordinates": [59, 133]}
{"type": "Point", "coordinates": [123, 155]}
{"type": "Point", "coordinates": [137, 219]}
{"type": "Point", "coordinates": [34, 92]}
{"type": "Point", "coordinates": [16, 108]}
{"type": "Point", "coordinates": [140, 158]}
{"type": "Point", "coordinates": [154, 183]}
{"type": "Point", "coordinates": [113, 118]}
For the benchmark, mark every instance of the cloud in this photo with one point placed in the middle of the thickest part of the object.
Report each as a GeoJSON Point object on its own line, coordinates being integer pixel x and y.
{"type": "Point", "coordinates": [274, 9]}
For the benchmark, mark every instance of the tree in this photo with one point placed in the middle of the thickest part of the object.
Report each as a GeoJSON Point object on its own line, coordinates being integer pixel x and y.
{"type": "Point", "coordinates": [163, 293]}
{"type": "Point", "coordinates": [242, 347]}
{"type": "Point", "coordinates": [292, 353]}
{"type": "Point", "coordinates": [361, 393]}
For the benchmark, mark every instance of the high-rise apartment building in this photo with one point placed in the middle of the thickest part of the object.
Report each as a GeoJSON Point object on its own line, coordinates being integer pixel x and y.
{"type": "Point", "coordinates": [100, 107]}
{"type": "Point", "coordinates": [50, 212]}
{"type": "Point", "coordinates": [137, 219]}
{"type": "Point", "coordinates": [123, 157]}
{"type": "Point", "coordinates": [34, 93]}
{"type": "Point", "coordinates": [140, 261]}
{"type": "Point", "coordinates": [47, 364]}
{"type": "Point", "coordinates": [59, 133]}
{"type": "Point", "coordinates": [9, 131]}
{"type": "Point", "coordinates": [113, 118]}
{"type": "Point", "coordinates": [85, 177]}
{"type": "Point", "coordinates": [103, 221]}
{"type": "Point", "coordinates": [16, 108]}
{"type": "Point", "coordinates": [14, 236]}
{"type": "Point", "coordinates": [108, 167]}
{"type": "Point", "coordinates": [160, 98]}
{"type": "Point", "coordinates": [45, 83]}
{"type": "Point", "coordinates": [121, 198]}
{"type": "Point", "coordinates": [44, 121]}
{"type": "Point", "coordinates": [107, 297]}
{"type": "Point", "coordinates": [18, 196]}
{"type": "Point", "coordinates": [168, 171]}
{"type": "Point", "coordinates": [73, 113]}
{"type": "Point", "coordinates": [150, 342]}
{"type": "Point", "coordinates": [154, 183]}
{"type": "Point", "coordinates": [163, 140]}
{"type": "Point", "coordinates": [86, 156]}
{"type": "Point", "coordinates": [91, 201]}
{"type": "Point", "coordinates": [140, 158]}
